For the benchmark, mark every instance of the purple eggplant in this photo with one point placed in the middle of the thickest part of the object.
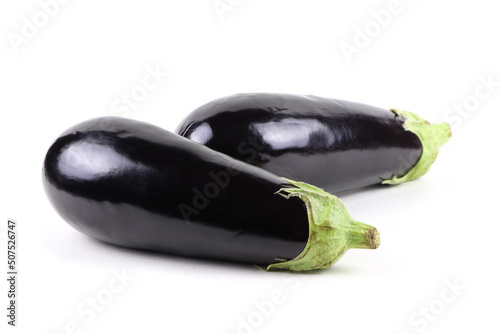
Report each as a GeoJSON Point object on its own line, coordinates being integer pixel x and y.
{"type": "Point", "coordinates": [333, 144]}
{"type": "Point", "coordinates": [132, 184]}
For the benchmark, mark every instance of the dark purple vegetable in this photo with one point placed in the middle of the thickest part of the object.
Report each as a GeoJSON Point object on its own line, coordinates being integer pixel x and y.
{"type": "Point", "coordinates": [133, 184]}
{"type": "Point", "coordinates": [333, 144]}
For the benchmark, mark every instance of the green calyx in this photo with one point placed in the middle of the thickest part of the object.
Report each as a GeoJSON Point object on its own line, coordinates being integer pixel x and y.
{"type": "Point", "coordinates": [332, 231]}
{"type": "Point", "coordinates": [432, 137]}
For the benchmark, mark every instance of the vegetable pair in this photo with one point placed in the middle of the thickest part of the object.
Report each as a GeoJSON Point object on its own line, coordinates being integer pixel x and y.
{"type": "Point", "coordinates": [136, 185]}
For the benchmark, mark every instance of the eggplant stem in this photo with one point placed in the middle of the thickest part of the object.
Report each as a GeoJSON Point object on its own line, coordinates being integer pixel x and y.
{"type": "Point", "coordinates": [432, 137]}
{"type": "Point", "coordinates": [332, 230]}
{"type": "Point", "coordinates": [363, 236]}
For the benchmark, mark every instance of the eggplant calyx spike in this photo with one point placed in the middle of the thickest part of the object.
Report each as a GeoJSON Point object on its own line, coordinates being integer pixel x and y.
{"type": "Point", "coordinates": [332, 230]}
{"type": "Point", "coordinates": [432, 137]}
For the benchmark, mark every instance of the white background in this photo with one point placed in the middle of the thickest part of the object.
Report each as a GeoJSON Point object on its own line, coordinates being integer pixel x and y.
{"type": "Point", "coordinates": [430, 57]}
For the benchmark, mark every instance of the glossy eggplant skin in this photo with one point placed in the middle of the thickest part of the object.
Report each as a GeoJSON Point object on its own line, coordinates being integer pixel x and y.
{"type": "Point", "coordinates": [136, 185]}
{"type": "Point", "coordinates": [333, 144]}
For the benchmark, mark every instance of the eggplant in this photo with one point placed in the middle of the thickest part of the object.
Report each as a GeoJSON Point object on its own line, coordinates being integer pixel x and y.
{"type": "Point", "coordinates": [333, 144]}
{"type": "Point", "coordinates": [133, 184]}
